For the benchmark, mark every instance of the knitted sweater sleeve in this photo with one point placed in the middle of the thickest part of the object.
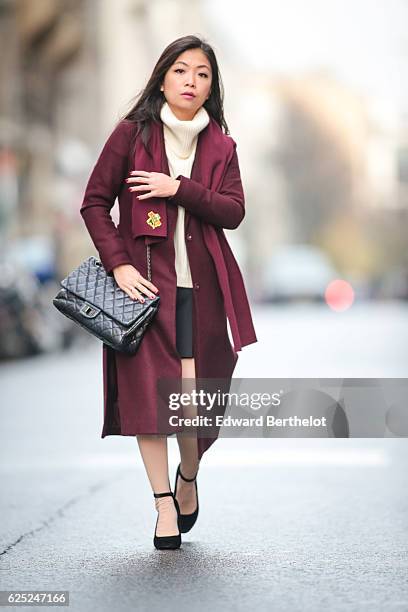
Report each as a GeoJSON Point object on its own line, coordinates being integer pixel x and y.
{"type": "Point", "coordinates": [103, 187]}
{"type": "Point", "coordinates": [224, 207]}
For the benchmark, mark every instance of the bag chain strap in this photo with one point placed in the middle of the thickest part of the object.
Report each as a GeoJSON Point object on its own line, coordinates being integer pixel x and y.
{"type": "Point", "coordinates": [148, 262]}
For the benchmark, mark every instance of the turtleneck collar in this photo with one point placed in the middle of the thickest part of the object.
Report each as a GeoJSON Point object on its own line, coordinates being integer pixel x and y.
{"type": "Point", "coordinates": [181, 134]}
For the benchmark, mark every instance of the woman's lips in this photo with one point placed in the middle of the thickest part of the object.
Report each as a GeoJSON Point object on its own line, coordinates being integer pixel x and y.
{"type": "Point", "coordinates": [189, 97]}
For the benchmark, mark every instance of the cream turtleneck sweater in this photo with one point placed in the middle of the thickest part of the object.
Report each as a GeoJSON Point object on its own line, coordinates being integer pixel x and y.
{"type": "Point", "coordinates": [180, 139]}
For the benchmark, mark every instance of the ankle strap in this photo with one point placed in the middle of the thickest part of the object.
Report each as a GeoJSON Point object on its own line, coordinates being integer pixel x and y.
{"type": "Point", "coordinates": [183, 477]}
{"type": "Point", "coordinates": [163, 494]}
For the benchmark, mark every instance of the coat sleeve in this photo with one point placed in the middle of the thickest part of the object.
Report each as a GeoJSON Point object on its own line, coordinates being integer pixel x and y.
{"type": "Point", "coordinates": [101, 191]}
{"type": "Point", "coordinates": [224, 207]}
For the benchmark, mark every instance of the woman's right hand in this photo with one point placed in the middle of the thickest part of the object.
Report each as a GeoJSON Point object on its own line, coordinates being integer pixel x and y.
{"type": "Point", "coordinates": [132, 282]}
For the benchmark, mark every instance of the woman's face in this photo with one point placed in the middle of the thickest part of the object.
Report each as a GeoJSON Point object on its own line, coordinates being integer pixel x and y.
{"type": "Point", "coordinates": [191, 72]}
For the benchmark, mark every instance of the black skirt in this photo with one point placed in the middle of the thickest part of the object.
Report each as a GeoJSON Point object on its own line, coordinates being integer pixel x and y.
{"type": "Point", "coordinates": [184, 321]}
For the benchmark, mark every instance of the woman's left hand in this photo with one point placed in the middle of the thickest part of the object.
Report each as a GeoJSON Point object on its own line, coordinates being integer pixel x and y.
{"type": "Point", "coordinates": [160, 185]}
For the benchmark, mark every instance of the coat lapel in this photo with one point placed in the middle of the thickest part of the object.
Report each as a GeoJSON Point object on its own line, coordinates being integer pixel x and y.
{"type": "Point", "coordinates": [195, 173]}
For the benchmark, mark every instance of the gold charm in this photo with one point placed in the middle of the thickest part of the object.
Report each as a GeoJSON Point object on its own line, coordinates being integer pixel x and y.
{"type": "Point", "coordinates": [153, 220]}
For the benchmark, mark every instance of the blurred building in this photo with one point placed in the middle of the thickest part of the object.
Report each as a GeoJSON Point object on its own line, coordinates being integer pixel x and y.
{"type": "Point", "coordinates": [49, 67]}
{"type": "Point", "coordinates": [73, 67]}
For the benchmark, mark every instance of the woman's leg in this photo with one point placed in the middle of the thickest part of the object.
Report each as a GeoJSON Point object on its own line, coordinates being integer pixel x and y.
{"type": "Point", "coordinates": [153, 449]}
{"type": "Point", "coordinates": [186, 495]}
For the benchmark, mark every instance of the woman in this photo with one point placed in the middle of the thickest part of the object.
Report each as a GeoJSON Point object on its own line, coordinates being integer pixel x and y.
{"type": "Point", "coordinates": [177, 179]}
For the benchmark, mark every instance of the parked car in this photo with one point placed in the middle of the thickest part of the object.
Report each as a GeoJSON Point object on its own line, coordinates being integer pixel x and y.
{"type": "Point", "coordinates": [28, 323]}
{"type": "Point", "coordinates": [297, 272]}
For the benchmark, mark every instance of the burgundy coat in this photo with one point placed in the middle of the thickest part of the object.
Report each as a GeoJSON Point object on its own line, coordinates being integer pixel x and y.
{"type": "Point", "coordinates": [130, 391]}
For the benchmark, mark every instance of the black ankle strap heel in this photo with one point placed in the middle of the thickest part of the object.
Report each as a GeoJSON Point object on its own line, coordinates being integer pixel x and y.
{"type": "Point", "coordinates": [183, 477]}
{"type": "Point", "coordinates": [163, 494]}
{"type": "Point", "coordinates": [186, 521]}
{"type": "Point", "coordinates": [167, 542]}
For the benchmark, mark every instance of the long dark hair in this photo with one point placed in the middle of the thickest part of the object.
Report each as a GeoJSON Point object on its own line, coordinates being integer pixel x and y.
{"type": "Point", "coordinates": [150, 99]}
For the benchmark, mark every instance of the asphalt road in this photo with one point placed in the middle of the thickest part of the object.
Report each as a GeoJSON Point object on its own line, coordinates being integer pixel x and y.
{"type": "Point", "coordinates": [284, 524]}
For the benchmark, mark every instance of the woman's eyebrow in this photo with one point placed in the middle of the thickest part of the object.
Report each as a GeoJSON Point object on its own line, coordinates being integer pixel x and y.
{"type": "Point", "coordinates": [185, 63]}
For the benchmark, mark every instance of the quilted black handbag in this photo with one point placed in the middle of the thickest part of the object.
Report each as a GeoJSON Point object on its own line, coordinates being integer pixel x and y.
{"type": "Point", "coordinates": [93, 299]}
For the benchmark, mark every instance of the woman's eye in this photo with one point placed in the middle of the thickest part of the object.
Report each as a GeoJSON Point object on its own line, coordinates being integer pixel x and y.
{"type": "Point", "coordinates": [201, 73]}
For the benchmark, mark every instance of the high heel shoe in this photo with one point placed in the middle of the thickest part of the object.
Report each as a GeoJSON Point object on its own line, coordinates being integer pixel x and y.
{"type": "Point", "coordinates": [172, 541]}
{"type": "Point", "coordinates": [186, 521]}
